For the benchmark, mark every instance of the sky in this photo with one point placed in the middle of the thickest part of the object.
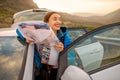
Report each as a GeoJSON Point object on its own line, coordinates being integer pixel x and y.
{"type": "Point", "coordinates": [84, 6]}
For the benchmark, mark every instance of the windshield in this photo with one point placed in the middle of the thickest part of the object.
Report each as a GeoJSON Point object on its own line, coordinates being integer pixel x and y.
{"type": "Point", "coordinates": [29, 15]}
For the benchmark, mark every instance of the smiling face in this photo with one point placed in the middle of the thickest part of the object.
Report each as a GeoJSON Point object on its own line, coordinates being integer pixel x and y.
{"type": "Point", "coordinates": [55, 21]}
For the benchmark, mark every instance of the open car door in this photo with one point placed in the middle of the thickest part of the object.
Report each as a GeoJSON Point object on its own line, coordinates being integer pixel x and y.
{"type": "Point", "coordinates": [96, 52]}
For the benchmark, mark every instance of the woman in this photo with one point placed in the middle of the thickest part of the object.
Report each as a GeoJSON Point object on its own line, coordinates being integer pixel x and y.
{"type": "Point", "coordinates": [54, 21]}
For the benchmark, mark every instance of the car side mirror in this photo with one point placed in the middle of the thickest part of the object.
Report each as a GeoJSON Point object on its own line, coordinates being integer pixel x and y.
{"type": "Point", "coordinates": [75, 73]}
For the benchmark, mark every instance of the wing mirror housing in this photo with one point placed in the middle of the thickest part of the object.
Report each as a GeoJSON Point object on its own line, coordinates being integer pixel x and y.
{"type": "Point", "coordinates": [75, 73]}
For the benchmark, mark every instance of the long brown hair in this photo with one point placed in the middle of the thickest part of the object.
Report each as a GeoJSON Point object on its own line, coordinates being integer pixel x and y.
{"type": "Point", "coordinates": [47, 16]}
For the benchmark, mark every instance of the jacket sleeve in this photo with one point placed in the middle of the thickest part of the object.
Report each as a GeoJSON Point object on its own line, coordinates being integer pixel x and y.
{"type": "Point", "coordinates": [67, 39]}
{"type": "Point", "coordinates": [20, 35]}
{"type": "Point", "coordinates": [71, 54]}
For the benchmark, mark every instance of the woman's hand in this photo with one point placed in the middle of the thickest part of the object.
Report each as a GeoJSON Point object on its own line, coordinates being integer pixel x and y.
{"type": "Point", "coordinates": [59, 46]}
{"type": "Point", "coordinates": [31, 28]}
{"type": "Point", "coordinates": [29, 41]}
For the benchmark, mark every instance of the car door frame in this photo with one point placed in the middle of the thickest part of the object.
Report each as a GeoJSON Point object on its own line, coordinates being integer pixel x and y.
{"type": "Point", "coordinates": [27, 68]}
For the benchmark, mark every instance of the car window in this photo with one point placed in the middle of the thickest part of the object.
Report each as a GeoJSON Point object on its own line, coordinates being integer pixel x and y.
{"type": "Point", "coordinates": [76, 32]}
{"type": "Point", "coordinates": [11, 56]}
{"type": "Point", "coordinates": [29, 15]}
{"type": "Point", "coordinates": [96, 50]}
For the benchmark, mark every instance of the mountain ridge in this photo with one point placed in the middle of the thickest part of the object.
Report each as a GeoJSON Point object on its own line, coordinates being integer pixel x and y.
{"type": "Point", "coordinates": [109, 18]}
{"type": "Point", "coordinates": [9, 7]}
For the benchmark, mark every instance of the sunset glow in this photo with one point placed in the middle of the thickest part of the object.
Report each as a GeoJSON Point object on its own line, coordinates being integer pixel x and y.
{"type": "Point", "coordinates": [89, 6]}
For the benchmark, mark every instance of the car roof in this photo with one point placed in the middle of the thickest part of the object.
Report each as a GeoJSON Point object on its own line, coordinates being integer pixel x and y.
{"type": "Point", "coordinates": [7, 32]}
{"type": "Point", "coordinates": [30, 10]}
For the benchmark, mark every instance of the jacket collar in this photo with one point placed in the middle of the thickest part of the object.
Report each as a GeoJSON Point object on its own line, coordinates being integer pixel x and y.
{"type": "Point", "coordinates": [60, 34]}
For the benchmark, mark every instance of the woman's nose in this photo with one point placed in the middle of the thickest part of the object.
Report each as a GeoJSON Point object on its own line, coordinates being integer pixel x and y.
{"type": "Point", "coordinates": [59, 21]}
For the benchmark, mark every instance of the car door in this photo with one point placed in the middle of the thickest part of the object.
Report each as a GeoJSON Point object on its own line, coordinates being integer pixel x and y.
{"type": "Point", "coordinates": [27, 67]}
{"type": "Point", "coordinates": [28, 73]}
{"type": "Point", "coordinates": [96, 52]}
{"type": "Point", "coordinates": [11, 57]}
{"type": "Point", "coordinates": [16, 57]}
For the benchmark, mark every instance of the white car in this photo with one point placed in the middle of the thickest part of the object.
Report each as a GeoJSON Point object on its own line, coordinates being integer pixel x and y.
{"type": "Point", "coordinates": [95, 55]}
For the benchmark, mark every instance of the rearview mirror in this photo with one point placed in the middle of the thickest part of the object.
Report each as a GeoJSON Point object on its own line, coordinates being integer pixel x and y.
{"type": "Point", "coordinates": [75, 73]}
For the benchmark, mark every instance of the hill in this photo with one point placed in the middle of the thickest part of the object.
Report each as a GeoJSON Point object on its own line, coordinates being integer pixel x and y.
{"type": "Point", "coordinates": [112, 17]}
{"type": "Point", "coordinates": [73, 20]}
{"type": "Point", "coordinates": [9, 7]}
{"type": "Point", "coordinates": [79, 20]}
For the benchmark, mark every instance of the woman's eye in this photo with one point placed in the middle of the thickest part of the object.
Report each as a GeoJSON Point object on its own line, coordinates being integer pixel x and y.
{"type": "Point", "coordinates": [54, 19]}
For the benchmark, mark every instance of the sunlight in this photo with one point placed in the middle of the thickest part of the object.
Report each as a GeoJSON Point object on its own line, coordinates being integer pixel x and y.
{"type": "Point", "coordinates": [93, 6]}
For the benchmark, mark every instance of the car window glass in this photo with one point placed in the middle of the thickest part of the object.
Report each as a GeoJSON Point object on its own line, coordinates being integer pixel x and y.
{"type": "Point", "coordinates": [76, 32]}
{"type": "Point", "coordinates": [29, 16]}
{"type": "Point", "coordinates": [11, 56]}
{"type": "Point", "coordinates": [96, 50]}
